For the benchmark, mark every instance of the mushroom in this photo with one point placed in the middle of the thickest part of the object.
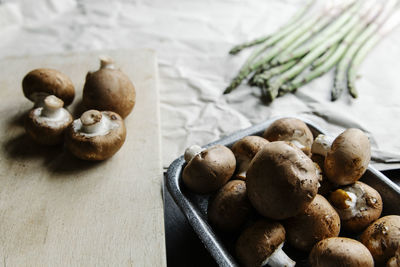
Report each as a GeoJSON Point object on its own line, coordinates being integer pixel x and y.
{"type": "Point", "coordinates": [358, 206]}
{"type": "Point", "coordinates": [47, 124]}
{"type": "Point", "coordinates": [244, 150]}
{"type": "Point", "coordinates": [208, 169]}
{"type": "Point", "coordinates": [230, 207]}
{"type": "Point", "coordinates": [317, 222]}
{"type": "Point", "coordinates": [96, 135]}
{"type": "Point", "coordinates": [395, 260]}
{"type": "Point", "coordinates": [382, 238]}
{"type": "Point", "coordinates": [281, 180]}
{"type": "Point", "coordinates": [109, 89]}
{"type": "Point", "coordinates": [326, 186]}
{"type": "Point", "coordinates": [39, 83]}
{"type": "Point", "coordinates": [292, 130]}
{"type": "Point", "coordinates": [340, 251]}
{"type": "Point", "coordinates": [347, 158]}
{"type": "Point", "coordinates": [261, 244]}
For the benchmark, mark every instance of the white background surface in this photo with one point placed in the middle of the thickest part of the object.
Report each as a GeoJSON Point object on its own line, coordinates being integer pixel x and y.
{"type": "Point", "coordinates": [192, 39]}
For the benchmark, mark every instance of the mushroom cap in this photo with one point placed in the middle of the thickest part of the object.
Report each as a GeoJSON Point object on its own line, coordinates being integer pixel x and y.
{"type": "Point", "coordinates": [209, 170]}
{"type": "Point", "coordinates": [291, 130]}
{"type": "Point", "coordinates": [340, 251]}
{"type": "Point", "coordinates": [317, 222]}
{"type": "Point", "coordinates": [281, 180]}
{"type": "Point", "coordinates": [109, 89]}
{"type": "Point", "coordinates": [348, 157]}
{"type": "Point", "coordinates": [382, 238]}
{"type": "Point", "coordinates": [394, 261]}
{"type": "Point", "coordinates": [245, 149]}
{"type": "Point", "coordinates": [97, 147]}
{"type": "Point", "coordinates": [369, 207]}
{"type": "Point", "coordinates": [230, 207]}
{"type": "Point", "coordinates": [48, 82]}
{"type": "Point", "coordinates": [257, 242]}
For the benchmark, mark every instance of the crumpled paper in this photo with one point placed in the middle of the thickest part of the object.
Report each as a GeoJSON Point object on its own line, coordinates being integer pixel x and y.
{"type": "Point", "coordinates": [192, 39]}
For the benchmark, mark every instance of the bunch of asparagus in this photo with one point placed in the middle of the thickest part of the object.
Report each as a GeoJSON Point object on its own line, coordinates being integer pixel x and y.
{"type": "Point", "coordinates": [315, 40]}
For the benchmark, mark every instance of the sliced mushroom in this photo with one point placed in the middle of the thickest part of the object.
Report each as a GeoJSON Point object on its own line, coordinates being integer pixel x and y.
{"type": "Point", "coordinates": [292, 130]}
{"type": "Point", "coordinates": [358, 206]}
{"type": "Point", "coordinates": [47, 124]}
{"type": "Point", "coordinates": [281, 180]}
{"type": "Point", "coordinates": [244, 150]}
{"type": "Point", "coordinates": [40, 83]}
{"type": "Point", "coordinates": [209, 169]}
{"type": "Point", "coordinates": [382, 238]}
{"type": "Point", "coordinates": [261, 244]}
{"type": "Point", "coordinates": [340, 251]}
{"type": "Point", "coordinates": [317, 222]}
{"type": "Point", "coordinates": [96, 135]}
{"type": "Point", "coordinates": [230, 207]}
{"type": "Point", "coordinates": [109, 89]}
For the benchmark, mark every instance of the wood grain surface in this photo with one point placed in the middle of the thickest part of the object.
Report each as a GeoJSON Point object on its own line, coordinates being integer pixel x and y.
{"type": "Point", "coordinates": [56, 210]}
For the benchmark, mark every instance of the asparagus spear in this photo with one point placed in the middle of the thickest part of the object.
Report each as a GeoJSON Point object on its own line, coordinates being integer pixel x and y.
{"type": "Point", "coordinates": [344, 63]}
{"type": "Point", "coordinates": [278, 35]}
{"type": "Point", "coordinates": [263, 77]}
{"type": "Point", "coordinates": [319, 61]}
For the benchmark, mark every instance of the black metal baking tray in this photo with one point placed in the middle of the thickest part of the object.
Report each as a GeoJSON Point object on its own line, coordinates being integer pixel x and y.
{"type": "Point", "coordinates": [194, 206]}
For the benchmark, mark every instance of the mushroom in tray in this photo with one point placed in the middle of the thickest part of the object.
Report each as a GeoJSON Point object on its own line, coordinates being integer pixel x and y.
{"type": "Point", "coordinates": [346, 158]}
{"type": "Point", "coordinates": [40, 83]}
{"type": "Point", "coordinates": [281, 180]}
{"type": "Point", "coordinates": [340, 251]}
{"type": "Point", "coordinates": [229, 208]}
{"type": "Point", "coordinates": [47, 124]}
{"type": "Point", "coordinates": [109, 89]}
{"type": "Point", "coordinates": [244, 150]}
{"type": "Point", "coordinates": [261, 244]}
{"type": "Point", "coordinates": [292, 130]}
{"type": "Point", "coordinates": [358, 206]}
{"type": "Point", "coordinates": [382, 238]}
{"type": "Point", "coordinates": [96, 135]}
{"type": "Point", "coordinates": [317, 222]}
{"type": "Point", "coordinates": [208, 169]}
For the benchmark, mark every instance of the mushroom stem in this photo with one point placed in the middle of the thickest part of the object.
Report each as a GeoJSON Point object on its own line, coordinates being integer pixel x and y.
{"type": "Point", "coordinates": [106, 63]}
{"type": "Point", "coordinates": [191, 152]}
{"type": "Point", "coordinates": [321, 145]}
{"type": "Point", "coordinates": [38, 99]}
{"type": "Point", "coordinates": [52, 107]}
{"type": "Point", "coordinates": [279, 258]}
{"type": "Point", "coordinates": [92, 122]}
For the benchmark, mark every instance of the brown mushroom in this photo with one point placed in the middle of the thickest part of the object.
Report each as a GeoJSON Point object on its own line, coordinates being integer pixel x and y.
{"type": "Point", "coordinates": [292, 130]}
{"type": "Point", "coordinates": [39, 83]}
{"type": "Point", "coordinates": [340, 251]}
{"type": "Point", "coordinates": [96, 135]}
{"type": "Point", "coordinates": [244, 150]}
{"type": "Point", "coordinates": [317, 222]}
{"type": "Point", "coordinates": [208, 169]}
{"type": "Point", "coordinates": [261, 244]}
{"type": "Point", "coordinates": [395, 260]}
{"type": "Point", "coordinates": [382, 238]}
{"type": "Point", "coordinates": [109, 89]}
{"type": "Point", "coordinates": [230, 207]}
{"type": "Point", "coordinates": [358, 206]}
{"type": "Point", "coordinates": [47, 124]}
{"type": "Point", "coordinates": [281, 180]}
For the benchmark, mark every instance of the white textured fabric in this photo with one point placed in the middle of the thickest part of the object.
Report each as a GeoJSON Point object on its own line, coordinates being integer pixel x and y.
{"type": "Point", "coordinates": [192, 39]}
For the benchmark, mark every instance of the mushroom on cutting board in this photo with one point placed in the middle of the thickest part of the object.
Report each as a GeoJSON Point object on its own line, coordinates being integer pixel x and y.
{"type": "Point", "coordinates": [317, 222]}
{"type": "Point", "coordinates": [340, 251]}
{"type": "Point", "coordinates": [261, 244]}
{"type": "Point", "coordinates": [230, 207]}
{"type": "Point", "coordinates": [244, 150]}
{"type": "Point", "coordinates": [40, 83]}
{"type": "Point", "coordinates": [96, 135]}
{"type": "Point", "coordinates": [281, 180]}
{"type": "Point", "coordinates": [109, 89]}
{"type": "Point", "coordinates": [47, 124]}
{"type": "Point", "coordinates": [358, 206]}
{"type": "Point", "coordinates": [382, 238]}
{"type": "Point", "coordinates": [292, 130]}
{"type": "Point", "coordinates": [346, 158]}
{"type": "Point", "coordinates": [208, 169]}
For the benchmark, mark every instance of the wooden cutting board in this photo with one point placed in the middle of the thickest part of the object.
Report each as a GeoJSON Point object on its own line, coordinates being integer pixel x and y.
{"type": "Point", "coordinates": [56, 210]}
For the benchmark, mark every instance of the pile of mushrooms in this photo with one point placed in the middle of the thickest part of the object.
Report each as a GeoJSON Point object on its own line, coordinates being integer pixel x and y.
{"type": "Point", "coordinates": [266, 191]}
{"type": "Point", "coordinates": [100, 131]}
